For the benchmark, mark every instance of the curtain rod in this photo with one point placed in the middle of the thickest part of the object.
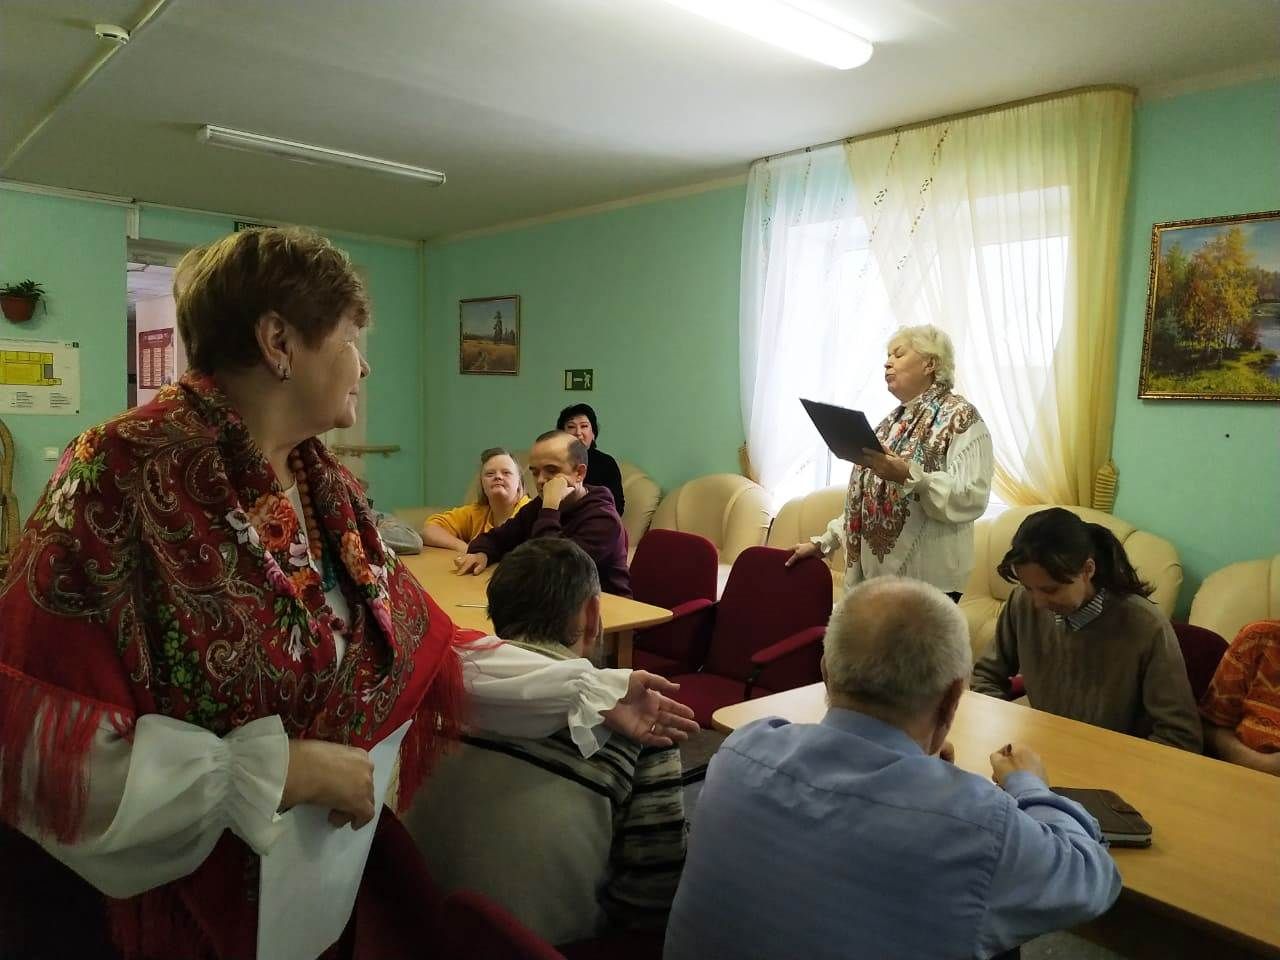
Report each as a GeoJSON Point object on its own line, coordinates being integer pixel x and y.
{"type": "Point", "coordinates": [951, 117]}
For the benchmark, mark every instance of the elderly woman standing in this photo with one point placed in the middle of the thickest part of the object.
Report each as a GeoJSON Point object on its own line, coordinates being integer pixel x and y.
{"type": "Point", "coordinates": [910, 510]}
{"type": "Point", "coordinates": [202, 627]}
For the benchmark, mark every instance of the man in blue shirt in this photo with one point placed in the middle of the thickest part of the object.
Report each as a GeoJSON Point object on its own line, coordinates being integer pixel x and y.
{"type": "Point", "coordinates": [854, 837]}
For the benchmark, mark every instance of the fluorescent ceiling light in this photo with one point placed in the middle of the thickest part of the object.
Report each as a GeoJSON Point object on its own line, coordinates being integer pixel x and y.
{"type": "Point", "coordinates": [305, 152]}
{"type": "Point", "coordinates": [785, 26]}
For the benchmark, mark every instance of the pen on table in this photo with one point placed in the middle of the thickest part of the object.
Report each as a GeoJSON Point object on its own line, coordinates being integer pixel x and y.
{"type": "Point", "coordinates": [478, 606]}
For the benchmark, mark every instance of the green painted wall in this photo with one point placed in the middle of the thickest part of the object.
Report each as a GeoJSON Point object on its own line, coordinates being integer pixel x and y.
{"type": "Point", "coordinates": [76, 248]}
{"type": "Point", "coordinates": [1205, 475]}
{"type": "Point", "coordinates": [647, 296]}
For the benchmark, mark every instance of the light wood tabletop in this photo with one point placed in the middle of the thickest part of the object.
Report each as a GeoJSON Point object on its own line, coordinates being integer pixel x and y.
{"type": "Point", "coordinates": [1215, 853]}
{"type": "Point", "coordinates": [463, 599]}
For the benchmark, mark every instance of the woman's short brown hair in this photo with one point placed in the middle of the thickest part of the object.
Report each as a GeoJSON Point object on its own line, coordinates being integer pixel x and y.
{"type": "Point", "coordinates": [488, 455]}
{"type": "Point", "coordinates": [223, 289]}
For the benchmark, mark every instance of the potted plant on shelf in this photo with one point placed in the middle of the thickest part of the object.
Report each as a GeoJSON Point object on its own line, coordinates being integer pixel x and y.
{"type": "Point", "coordinates": [18, 300]}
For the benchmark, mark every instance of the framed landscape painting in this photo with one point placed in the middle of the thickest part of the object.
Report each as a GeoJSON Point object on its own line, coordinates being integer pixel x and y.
{"type": "Point", "coordinates": [489, 335]}
{"type": "Point", "coordinates": [1213, 310]}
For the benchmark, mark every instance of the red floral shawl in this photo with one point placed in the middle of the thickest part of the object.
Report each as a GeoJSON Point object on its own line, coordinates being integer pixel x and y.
{"type": "Point", "coordinates": [877, 511]}
{"type": "Point", "coordinates": [164, 571]}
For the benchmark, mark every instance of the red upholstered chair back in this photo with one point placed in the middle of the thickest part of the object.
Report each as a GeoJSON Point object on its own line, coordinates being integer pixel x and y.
{"type": "Point", "coordinates": [1202, 649]}
{"type": "Point", "coordinates": [670, 568]}
{"type": "Point", "coordinates": [765, 601]}
{"type": "Point", "coordinates": [475, 926]}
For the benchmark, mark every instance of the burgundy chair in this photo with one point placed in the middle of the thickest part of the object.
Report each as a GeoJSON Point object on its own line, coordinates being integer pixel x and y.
{"type": "Point", "coordinates": [1202, 649]}
{"type": "Point", "coordinates": [677, 571]}
{"type": "Point", "coordinates": [765, 635]}
{"type": "Point", "coordinates": [475, 926]}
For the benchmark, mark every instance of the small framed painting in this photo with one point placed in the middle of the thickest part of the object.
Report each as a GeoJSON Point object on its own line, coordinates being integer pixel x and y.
{"type": "Point", "coordinates": [489, 335]}
{"type": "Point", "coordinates": [1213, 310]}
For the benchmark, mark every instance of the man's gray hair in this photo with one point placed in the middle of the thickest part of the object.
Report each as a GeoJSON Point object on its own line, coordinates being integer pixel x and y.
{"type": "Point", "coordinates": [929, 341]}
{"type": "Point", "coordinates": [538, 589]}
{"type": "Point", "coordinates": [897, 644]}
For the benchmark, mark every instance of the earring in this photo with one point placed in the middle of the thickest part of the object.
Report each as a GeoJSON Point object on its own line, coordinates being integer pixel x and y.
{"type": "Point", "coordinates": [284, 373]}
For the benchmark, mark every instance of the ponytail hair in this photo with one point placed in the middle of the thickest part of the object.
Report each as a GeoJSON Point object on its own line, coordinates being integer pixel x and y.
{"type": "Point", "coordinates": [1061, 543]}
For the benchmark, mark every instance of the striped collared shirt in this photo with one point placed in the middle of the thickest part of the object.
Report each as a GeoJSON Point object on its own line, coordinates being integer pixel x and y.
{"type": "Point", "coordinates": [1081, 618]}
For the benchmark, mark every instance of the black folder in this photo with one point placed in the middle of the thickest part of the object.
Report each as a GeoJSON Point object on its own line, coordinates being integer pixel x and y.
{"type": "Point", "coordinates": [846, 432]}
{"type": "Point", "coordinates": [1121, 824]}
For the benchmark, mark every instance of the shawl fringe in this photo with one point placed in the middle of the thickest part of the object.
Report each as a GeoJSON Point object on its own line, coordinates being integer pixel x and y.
{"type": "Point", "coordinates": [67, 722]}
{"type": "Point", "coordinates": [436, 724]}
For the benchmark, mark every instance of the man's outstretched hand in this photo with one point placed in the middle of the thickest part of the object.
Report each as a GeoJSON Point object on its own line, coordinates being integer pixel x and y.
{"type": "Point", "coordinates": [648, 715]}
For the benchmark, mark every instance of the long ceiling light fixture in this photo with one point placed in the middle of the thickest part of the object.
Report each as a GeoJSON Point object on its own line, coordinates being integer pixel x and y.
{"type": "Point", "coordinates": [307, 153]}
{"type": "Point", "coordinates": [788, 27]}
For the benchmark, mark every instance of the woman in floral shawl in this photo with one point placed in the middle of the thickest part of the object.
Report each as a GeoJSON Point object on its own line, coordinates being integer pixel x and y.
{"type": "Point", "coordinates": [911, 507]}
{"type": "Point", "coordinates": [201, 627]}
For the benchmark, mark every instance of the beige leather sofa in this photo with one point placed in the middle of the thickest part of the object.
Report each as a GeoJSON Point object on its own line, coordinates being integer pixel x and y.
{"type": "Point", "coordinates": [1153, 557]}
{"type": "Point", "coordinates": [726, 508]}
{"type": "Point", "coordinates": [806, 517]}
{"type": "Point", "coordinates": [1238, 595]}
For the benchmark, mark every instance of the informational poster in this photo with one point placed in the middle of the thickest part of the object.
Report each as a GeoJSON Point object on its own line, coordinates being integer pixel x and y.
{"type": "Point", "coordinates": [40, 376]}
{"type": "Point", "coordinates": [155, 358]}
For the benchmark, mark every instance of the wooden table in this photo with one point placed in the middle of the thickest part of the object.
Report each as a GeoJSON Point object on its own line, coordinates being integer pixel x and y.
{"type": "Point", "coordinates": [1214, 862]}
{"type": "Point", "coordinates": [463, 599]}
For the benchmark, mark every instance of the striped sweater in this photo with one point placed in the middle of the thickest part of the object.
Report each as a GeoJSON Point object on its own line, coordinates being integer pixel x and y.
{"type": "Point", "coordinates": [570, 845]}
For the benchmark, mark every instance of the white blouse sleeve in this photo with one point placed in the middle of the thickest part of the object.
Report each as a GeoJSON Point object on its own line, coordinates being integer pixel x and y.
{"type": "Point", "coordinates": [830, 538]}
{"type": "Point", "coordinates": [960, 491]}
{"type": "Point", "coordinates": [517, 693]}
{"type": "Point", "coordinates": [156, 806]}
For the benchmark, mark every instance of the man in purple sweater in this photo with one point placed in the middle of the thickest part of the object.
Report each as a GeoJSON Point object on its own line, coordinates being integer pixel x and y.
{"type": "Point", "coordinates": [565, 507]}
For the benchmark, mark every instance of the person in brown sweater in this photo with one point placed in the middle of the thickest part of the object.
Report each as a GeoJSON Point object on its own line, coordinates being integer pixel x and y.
{"type": "Point", "coordinates": [1088, 643]}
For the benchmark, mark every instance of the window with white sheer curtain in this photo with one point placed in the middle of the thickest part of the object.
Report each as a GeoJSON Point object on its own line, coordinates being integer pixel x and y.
{"type": "Point", "coordinates": [1005, 238]}
{"type": "Point", "coordinates": [836, 298]}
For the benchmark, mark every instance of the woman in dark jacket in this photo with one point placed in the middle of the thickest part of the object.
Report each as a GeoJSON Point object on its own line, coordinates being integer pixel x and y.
{"type": "Point", "coordinates": [602, 470]}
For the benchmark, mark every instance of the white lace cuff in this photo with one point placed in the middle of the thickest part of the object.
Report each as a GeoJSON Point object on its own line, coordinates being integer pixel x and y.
{"type": "Point", "coordinates": [595, 693]}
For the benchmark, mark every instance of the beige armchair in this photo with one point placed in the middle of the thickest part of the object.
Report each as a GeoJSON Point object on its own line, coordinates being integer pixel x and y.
{"type": "Point", "coordinates": [806, 517]}
{"type": "Point", "coordinates": [729, 510]}
{"type": "Point", "coordinates": [1237, 595]}
{"type": "Point", "coordinates": [1155, 559]}
{"type": "Point", "coordinates": [642, 495]}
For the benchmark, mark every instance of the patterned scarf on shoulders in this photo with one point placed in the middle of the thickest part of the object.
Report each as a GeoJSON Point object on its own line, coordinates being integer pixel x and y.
{"type": "Point", "coordinates": [880, 517]}
{"type": "Point", "coordinates": [164, 571]}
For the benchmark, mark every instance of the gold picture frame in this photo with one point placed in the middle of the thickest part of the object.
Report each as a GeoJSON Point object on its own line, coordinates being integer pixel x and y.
{"type": "Point", "coordinates": [489, 335]}
{"type": "Point", "coordinates": [1213, 310]}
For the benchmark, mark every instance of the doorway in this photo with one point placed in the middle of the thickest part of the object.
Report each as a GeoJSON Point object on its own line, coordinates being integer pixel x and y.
{"type": "Point", "coordinates": [153, 350]}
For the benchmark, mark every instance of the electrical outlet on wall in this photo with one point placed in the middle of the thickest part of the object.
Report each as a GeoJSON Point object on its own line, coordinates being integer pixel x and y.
{"type": "Point", "coordinates": [51, 453]}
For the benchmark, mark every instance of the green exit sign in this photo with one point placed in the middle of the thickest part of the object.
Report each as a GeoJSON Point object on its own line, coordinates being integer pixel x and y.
{"type": "Point", "coordinates": [579, 379]}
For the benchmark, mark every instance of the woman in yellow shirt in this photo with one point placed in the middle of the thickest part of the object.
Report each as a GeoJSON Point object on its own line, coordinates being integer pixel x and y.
{"type": "Point", "coordinates": [501, 495]}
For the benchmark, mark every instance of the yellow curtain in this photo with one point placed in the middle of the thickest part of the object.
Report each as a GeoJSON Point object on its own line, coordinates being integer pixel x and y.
{"type": "Point", "coordinates": [1004, 228]}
